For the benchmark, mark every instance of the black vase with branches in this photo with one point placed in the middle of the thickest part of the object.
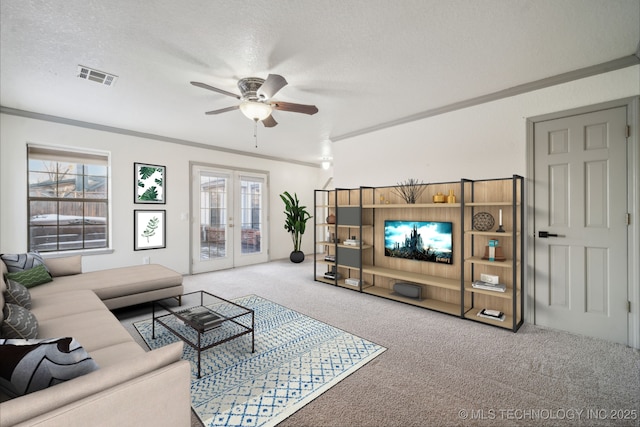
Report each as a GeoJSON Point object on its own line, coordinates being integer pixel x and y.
{"type": "Point", "coordinates": [410, 190]}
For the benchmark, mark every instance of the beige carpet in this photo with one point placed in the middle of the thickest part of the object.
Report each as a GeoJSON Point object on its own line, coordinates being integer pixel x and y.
{"type": "Point", "coordinates": [439, 369]}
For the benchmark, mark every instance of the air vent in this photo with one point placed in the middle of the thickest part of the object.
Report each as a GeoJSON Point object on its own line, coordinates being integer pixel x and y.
{"type": "Point", "coordinates": [96, 76]}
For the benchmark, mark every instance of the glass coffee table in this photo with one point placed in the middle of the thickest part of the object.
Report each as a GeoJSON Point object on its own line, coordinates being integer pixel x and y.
{"type": "Point", "coordinates": [203, 320]}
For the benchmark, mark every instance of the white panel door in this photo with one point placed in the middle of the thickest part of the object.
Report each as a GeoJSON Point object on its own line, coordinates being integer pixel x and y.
{"type": "Point", "coordinates": [580, 224]}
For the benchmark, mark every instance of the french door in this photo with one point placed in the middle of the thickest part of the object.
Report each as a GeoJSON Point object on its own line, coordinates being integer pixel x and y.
{"type": "Point", "coordinates": [229, 211]}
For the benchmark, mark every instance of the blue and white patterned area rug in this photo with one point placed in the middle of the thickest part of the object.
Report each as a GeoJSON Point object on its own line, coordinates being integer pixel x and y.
{"type": "Point", "coordinates": [296, 359]}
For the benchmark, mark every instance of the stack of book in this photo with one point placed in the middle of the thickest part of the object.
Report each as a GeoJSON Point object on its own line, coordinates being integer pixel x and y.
{"type": "Point", "coordinates": [491, 314]}
{"type": "Point", "coordinates": [352, 242]}
{"type": "Point", "coordinates": [202, 318]}
{"type": "Point", "coordinates": [498, 287]}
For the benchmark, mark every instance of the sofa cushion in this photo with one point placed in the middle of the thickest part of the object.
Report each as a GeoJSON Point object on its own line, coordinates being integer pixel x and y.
{"type": "Point", "coordinates": [65, 304]}
{"type": "Point", "coordinates": [29, 366]}
{"type": "Point", "coordinates": [94, 329]}
{"type": "Point", "coordinates": [18, 323]}
{"type": "Point", "coordinates": [32, 405]}
{"type": "Point", "coordinates": [115, 282]}
{"type": "Point", "coordinates": [32, 277]}
{"type": "Point", "coordinates": [64, 266]}
{"type": "Point", "coordinates": [116, 353]}
{"type": "Point", "coordinates": [22, 262]}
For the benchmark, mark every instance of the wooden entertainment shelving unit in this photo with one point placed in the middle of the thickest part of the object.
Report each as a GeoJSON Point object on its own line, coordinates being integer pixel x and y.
{"type": "Point", "coordinates": [361, 265]}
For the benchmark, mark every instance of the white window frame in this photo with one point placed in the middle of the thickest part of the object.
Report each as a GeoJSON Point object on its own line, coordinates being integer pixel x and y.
{"type": "Point", "coordinates": [65, 154]}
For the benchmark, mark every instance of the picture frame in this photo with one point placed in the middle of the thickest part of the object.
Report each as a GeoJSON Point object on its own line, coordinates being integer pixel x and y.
{"type": "Point", "coordinates": [149, 229]}
{"type": "Point", "coordinates": [149, 183]}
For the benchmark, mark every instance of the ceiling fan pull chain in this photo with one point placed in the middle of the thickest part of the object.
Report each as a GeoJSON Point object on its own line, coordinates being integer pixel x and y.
{"type": "Point", "coordinates": [255, 131]}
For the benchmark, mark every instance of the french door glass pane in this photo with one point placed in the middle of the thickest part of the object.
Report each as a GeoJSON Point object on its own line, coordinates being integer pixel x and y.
{"type": "Point", "coordinates": [251, 214]}
{"type": "Point", "coordinates": [213, 215]}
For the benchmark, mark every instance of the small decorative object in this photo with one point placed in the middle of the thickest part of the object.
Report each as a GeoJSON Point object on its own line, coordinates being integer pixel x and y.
{"type": "Point", "coordinates": [483, 221]}
{"type": "Point", "coordinates": [451, 198]}
{"type": "Point", "coordinates": [149, 183]}
{"type": "Point", "coordinates": [149, 229]}
{"type": "Point", "coordinates": [438, 198]}
{"type": "Point", "coordinates": [493, 252]}
{"type": "Point", "coordinates": [410, 190]}
{"type": "Point", "coordinates": [500, 229]}
{"type": "Point", "coordinates": [331, 219]}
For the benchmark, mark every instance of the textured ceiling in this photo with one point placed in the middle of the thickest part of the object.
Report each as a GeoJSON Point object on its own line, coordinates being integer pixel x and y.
{"type": "Point", "coordinates": [361, 62]}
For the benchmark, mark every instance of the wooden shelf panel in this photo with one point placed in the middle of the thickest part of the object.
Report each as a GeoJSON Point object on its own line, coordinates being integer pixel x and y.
{"type": "Point", "coordinates": [321, 261]}
{"type": "Point", "coordinates": [431, 304]}
{"type": "Point", "coordinates": [508, 263]}
{"type": "Point", "coordinates": [340, 245]}
{"type": "Point", "coordinates": [423, 279]}
{"type": "Point", "coordinates": [324, 224]}
{"type": "Point", "coordinates": [325, 242]}
{"type": "Point", "coordinates": [472, 314]}
{"type": "Point", "coordinates": [467, 204]}
{"type": "Point", "coordinates": [507, 294]}
{"type": "Point", "coordinates": [490, 233]}
{"type": "Point", "coordinates": [342, 284]}
{"type": "Point", "coordinates": [324, 280]}
{"type": "Point", "coordinates": [412, 206]}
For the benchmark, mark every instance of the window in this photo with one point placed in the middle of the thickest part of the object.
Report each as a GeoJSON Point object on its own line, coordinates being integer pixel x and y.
{"type": "Point", "coordinates": [68, 200]}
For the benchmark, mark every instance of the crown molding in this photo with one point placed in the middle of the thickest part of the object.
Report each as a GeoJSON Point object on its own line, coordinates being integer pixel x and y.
{"type": "Point", "coordinates": [128, 132]}
{"type": "Point", "coordinates": [616, 64]}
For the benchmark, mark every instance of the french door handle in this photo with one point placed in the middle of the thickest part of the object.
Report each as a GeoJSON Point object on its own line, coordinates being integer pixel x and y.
{"type": "Point", "coordinates": [545, 234]}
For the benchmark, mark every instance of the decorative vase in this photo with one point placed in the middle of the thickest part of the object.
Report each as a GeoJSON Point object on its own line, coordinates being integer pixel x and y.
{"type": "Point", "coordinates": [296, 256]}
{"type": "Point", "coordinates": [451, 198]}
{"type": "Point", "coordinates": [438, 198]}
{"type": "Point", "coordinates": [331, 219]}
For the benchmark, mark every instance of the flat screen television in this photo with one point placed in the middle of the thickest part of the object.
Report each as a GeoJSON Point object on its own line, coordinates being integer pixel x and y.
{"type": "Point", "coordinates": [430, 241]}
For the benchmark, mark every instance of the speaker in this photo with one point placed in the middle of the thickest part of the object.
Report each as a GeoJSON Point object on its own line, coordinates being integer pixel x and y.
{"type": "Point", "coordinates": [408, 290]}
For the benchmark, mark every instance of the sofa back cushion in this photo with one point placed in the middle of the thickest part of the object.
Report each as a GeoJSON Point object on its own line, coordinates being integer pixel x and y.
{"type": "Point", "coordinates": [64, 266]}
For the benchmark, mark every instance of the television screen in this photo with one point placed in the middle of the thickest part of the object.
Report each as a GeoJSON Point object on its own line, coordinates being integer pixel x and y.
{"type": "Point", "coordinates": [420, 240]}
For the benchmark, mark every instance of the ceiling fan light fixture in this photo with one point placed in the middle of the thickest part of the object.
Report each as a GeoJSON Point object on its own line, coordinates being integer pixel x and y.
{"type": "Point", "coordinates": [255, 110]}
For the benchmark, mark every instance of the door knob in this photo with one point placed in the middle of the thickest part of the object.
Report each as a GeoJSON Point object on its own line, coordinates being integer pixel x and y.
{"type": "Point", "coordinates": [545, 234]}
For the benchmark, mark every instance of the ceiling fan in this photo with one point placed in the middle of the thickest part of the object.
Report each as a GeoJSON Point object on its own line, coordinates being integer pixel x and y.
{"type": "Point", "coordinates": [256, 103]}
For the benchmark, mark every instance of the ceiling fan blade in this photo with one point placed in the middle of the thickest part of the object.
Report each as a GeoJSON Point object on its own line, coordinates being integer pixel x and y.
{"type": "Point", "coordinates": [271, 86]}
{"type": "Point", "coordinates": [269, 122]}
{"type": "Point", "coordinates": [215, 89]}
{"type": "Point", "coordinates": [295, 108]}
{"type": "Point", "coordinates": [223, 110]}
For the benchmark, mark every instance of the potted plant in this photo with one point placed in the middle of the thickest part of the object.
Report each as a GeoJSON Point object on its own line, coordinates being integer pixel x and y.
{"type": "Point", "coordinates": [295, 223]}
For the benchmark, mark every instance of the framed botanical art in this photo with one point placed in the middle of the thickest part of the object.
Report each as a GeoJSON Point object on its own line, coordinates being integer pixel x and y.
{"type": "Point", "coordinates": [149, 229]}
{"type": "Point", "coordinates": [149, 183]}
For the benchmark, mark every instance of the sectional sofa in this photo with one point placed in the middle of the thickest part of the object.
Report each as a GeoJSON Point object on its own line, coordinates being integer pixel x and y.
{"type": "Point", "coordinates": [123, 385]}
